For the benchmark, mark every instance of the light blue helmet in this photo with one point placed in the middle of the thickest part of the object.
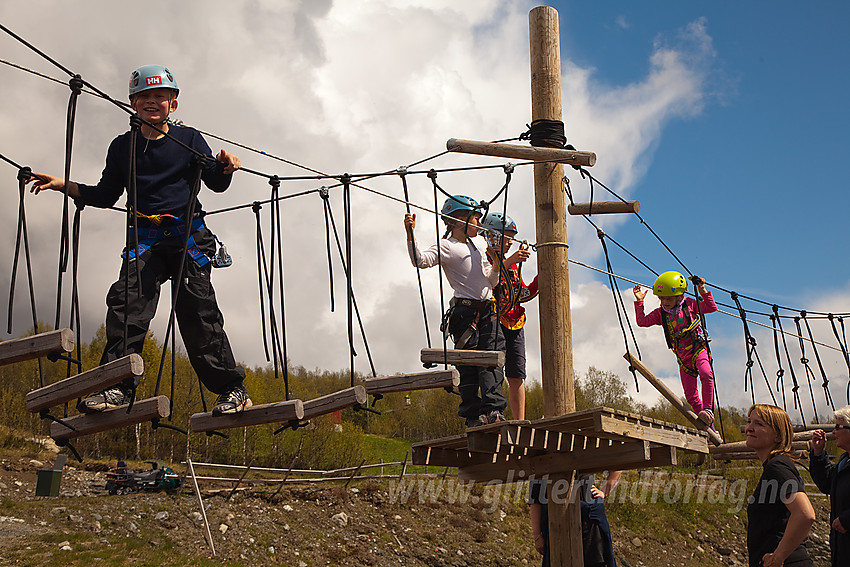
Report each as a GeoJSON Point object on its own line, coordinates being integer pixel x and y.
{"type": "Point", "coordinates": [497, 222]}
{"type": "Point", "coordinates": [152, 77]}
{"type": "Point", "coordinates": [459, 203]}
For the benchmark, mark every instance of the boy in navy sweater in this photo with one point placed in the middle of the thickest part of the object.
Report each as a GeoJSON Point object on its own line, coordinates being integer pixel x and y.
{"type": "Point", "coordinates": [165, 171]}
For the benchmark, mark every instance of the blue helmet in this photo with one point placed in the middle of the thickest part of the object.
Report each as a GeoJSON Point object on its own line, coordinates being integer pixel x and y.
{"type": "Point", "coordinates": [497, 222]}
{"type": "Point", "coordinates": [152, 77]}
{"type": "Point", "coordinates": [459, 203]}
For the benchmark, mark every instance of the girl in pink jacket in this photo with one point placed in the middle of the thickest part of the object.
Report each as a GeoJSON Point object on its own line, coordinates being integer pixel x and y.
{"type": "Point", "coordinates": [679, 316]}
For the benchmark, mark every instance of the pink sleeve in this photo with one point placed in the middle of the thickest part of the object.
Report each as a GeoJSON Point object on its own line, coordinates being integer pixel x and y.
{"type": "Point", "coordinates": [654, 317]}
{"type": "Point", "coordinates": [707, 303]}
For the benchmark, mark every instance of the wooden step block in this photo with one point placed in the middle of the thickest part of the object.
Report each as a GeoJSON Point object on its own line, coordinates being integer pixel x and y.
{"type": "Point", "coordinates": [88, 423]}
{"type": "Point", "coordinates": [86, 382]}
{"type": "Point", "coordinates": [604, 207]}
{"type": "Point", "coordinates": [275, 412]}
{"type": "Point", "coordinates": [457, 357]}
{"type": "Point", "coordinates": [36, 346]}
{"type": "Point", "coordinates": [416, 381]}
{"type": "Point", "coordinates": [333, 402]}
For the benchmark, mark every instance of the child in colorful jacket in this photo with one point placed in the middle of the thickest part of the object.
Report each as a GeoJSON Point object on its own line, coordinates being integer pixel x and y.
{"type": "Point", "coordinates": [500, 231]}
{"type": "Point", "coordinates": [679, 316]}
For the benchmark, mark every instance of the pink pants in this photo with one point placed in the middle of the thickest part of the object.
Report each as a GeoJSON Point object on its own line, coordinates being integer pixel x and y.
{"type": "Point", "coordinates": [706, 378]}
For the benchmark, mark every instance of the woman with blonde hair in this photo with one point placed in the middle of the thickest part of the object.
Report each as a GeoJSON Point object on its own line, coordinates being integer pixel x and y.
{"type": "Point", "coordinates": [779, 515]}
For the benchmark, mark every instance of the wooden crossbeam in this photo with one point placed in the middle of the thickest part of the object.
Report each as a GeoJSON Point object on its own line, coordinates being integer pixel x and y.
{"type": "Point", "coordinates": [752, 456]}
{"type": "Point", "coordinates": [603, 207]}
{"type": "Point", "coordinates": [459, 357]}
{"type": "Point", "coordinates": [88, 423]}
{"type": "Point", "coordinates": [86, 382]}
{"type": "Point", "coordinates": [673, 399]}
{"type": "Point", "coordinates": [275, 412]}
{"type": "Point", "coordinates": [531, 153]}
{"type": "Point", "coordinates": [36, 346]}
{"type": "Point", "coordinates": [335, 401]}
{"type": "Point", "coordinates": [416, 381]}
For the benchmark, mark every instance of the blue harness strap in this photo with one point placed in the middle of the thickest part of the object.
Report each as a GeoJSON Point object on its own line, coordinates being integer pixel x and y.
{"type": "Point", "coordinates": [151, 235]}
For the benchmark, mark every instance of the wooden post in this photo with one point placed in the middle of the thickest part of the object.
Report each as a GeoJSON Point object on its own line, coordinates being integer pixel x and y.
{"type": "Point", "coordinates": [553, 272]}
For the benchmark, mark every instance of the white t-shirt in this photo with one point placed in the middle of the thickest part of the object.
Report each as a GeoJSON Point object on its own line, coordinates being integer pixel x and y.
{"type": "Point", "coordinates": [466, 266]}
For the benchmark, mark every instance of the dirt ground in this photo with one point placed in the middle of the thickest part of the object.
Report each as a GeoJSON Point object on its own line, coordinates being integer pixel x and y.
{"type": "Point", "coordinates": [367, 523]}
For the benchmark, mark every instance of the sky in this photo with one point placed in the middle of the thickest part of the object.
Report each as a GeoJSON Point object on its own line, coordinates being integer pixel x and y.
{"type": "Point", "coordinates": [729, 127]}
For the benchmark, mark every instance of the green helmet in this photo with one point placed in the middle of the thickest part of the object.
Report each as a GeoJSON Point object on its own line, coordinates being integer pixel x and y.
{"type": "Point", "coordinates": [459, 203]}
{"type": "Point", "coordinates": [152, 77]}
{"type": "Point", "coordinates": [669, 284]}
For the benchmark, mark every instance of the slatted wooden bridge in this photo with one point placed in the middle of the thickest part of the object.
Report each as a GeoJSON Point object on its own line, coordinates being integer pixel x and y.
{"type": "Point", "coordinates": [586, 441]}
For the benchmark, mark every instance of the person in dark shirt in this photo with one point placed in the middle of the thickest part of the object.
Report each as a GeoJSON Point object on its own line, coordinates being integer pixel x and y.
{"type": "Point", "coordinates": [166, 165]}
{"type": "Point", "coordinates": [779, 514]}
{"type": "Point", "coordinates": [834, 479]}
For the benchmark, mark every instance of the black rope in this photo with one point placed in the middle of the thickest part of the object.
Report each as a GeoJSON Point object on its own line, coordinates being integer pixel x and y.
{"type": "Point", "coordinates": [260, 257]}
{"type": "Point", "coordinates": [843, 349]}
{"type": "Point", "coordinates": [825, 384]}
{"type": "Point", "coordinates": [795, 389]}
{"type": "Point", "coordinates": [545, 133]}
{"type": "Point", "coordinates": [76, 85]}
{"type": "Point", "coordinates": [325, 195]}
{"type": "Point", "coordinates": [24, 174]}
{"type": "Point", "coordinates": [805, 362]}
{"type": "Point", "coordinates": [432, 175]}
{"type": "Point", "coordinates": [750, 343]}
{"type": "Point", "coordinates": [277, 240]}
{"type": "Point", "coordinates": [620, 307]}
{"type": "Point", "coordinates": [346, 212]}
{"type": "Point", "coordinates": [402, 173]}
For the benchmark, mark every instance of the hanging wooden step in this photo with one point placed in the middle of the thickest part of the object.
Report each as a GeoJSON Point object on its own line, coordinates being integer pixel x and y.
{"type": "Point", "coordinates": [334, 402]}
{"type": "Point", "coordinates": [88, 423]}
{"type": "Point", "coordinates": [275, 412]}
{"type": "Point", "coordinates": [417, 381]}
{"type": "Point", "coordinates": [86, 382]}
{"type": "Point", "coordinates": [603, 207]}
{"type": "Point", "coordinates": [36, 346]}
{"type": "Point", "coordinates": [458, 357]}
{"type": "Point", "coordinates": [532, 153]}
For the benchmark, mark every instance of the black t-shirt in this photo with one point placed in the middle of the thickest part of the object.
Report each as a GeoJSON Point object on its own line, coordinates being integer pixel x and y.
{"type": "Point", "coordinates": [767, 515]}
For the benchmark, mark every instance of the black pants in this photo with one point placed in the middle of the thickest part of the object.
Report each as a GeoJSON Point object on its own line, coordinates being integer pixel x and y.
{"type": "Point", "coordinates": [198, 316]}
{"type": "Point", "coordinates": [480, 386]}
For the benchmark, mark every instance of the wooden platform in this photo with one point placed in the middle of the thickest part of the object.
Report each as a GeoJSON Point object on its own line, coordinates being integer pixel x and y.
{"type": "Point", "coordinates": [36, 346]}
{"type": "Point", "coordinates": [416, 381]}
{"type": "Point", "coordinates": [588, 441]}
{"type": "Point", "coordinates": [275, 412]}
{"type": "Point", "coordinates": [88, 423]}
{"type": "Point", "coordinates": [86, 382]}
{"type": "Point", "coordinates": [460, 357]}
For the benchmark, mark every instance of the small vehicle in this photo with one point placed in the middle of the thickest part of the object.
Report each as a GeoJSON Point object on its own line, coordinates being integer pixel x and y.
{"type": "Point", "coordinates": [123, 480]}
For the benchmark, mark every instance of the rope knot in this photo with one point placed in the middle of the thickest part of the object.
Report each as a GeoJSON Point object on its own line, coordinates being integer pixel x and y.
{"type": "Point", "coordinates": [324, 193]}
{"type": "Point", "coordinates": [432, 174]}
{"type": "Point", "coordinates": [274, 181]}
{"type": "Point", "coordinates": [76, 84]}
{"type": "Point", "coordinates": [24, 173]}
{"type": "Point", "coordinates": [256, 206]}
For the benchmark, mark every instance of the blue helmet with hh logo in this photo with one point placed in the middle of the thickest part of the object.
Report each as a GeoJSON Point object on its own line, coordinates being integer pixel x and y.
{"type": "Point", "coordinates": [459, 203]}
{"type": "Point", "coordinates": [152, 77]}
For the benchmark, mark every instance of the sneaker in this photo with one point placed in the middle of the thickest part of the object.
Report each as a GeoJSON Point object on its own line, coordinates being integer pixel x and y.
{"type": "Point", "coordinates": [495, 416]}
{"type": "Point", "coordinates": [233, 400]}
{"type": "Point", "coordinates": [107, 399]}
{"type": "Point", "coordinates": [707, 416]}
{"type": "Point", "coordinates": [476, 421]}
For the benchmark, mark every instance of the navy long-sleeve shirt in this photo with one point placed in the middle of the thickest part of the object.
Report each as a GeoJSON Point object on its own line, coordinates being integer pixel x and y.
{"type": "Point", "coordinates": [164, 173]}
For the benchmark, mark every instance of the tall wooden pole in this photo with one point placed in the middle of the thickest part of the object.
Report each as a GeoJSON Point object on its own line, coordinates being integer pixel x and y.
{"type": "Point", "coordinates": [554, 280]}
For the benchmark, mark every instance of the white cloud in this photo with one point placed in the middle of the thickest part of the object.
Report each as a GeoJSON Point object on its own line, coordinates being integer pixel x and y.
{"type": "Point", "coordinates": [338, 86]}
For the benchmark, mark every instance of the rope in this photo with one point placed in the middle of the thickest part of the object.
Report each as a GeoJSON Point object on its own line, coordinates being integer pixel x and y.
{"type": "Point", "coordinates": [750, 343]}
{"type": "Point", "coordinates": [432, 175]}
{"type": "Point", "coordinates": [805, 362]}
{"type": "Point", "coordinates": [402, 174]}
{"type": "Point", "coordinates": [843, 349]}
{"type": "Point", "coordinates": [825, 384]}
{"type": "Point", "coordinates": [324, 194]}
{"type": "Point", "coordinates": [276, 239]}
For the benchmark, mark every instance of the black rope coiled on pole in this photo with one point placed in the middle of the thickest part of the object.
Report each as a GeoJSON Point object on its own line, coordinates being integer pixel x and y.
{"type": "Point", "coordinates": [546, 134]}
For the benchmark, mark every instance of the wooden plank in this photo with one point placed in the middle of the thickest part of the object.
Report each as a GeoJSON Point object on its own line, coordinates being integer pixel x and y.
{"type": "Point", "coordinates": [274, 412]}
{"type": "Point", "coordinates": [752, 456]}
{"type": "Point", "coordinates": [449, 378]}
{"type": "Point", "coordinates": [460, 357]}
{"type": "Point", "coordinates": [603, 207]}
{"type": "Point", "coordinates": [741, 447]}
{"type": "Point", "coordinates": [673, 399]}
{"type": "Point", "coordinates": [335, 401]}
{"type": "Point", "coordinates": [86, 382]}
{"type": "Point", "coordinates": [88, 423]}
{"type": "Point", "coordinates": [442, 457]}
{"type": "Point", "coordinates": [625, 430]}
{"type": "Point", "coordinates": [531, 153]}
{"type": "Point", "coordinates": [36, 346]}
{"type": "Point", "coordinates": [512, 468]}
{"type": "Point", "coordinates": [452, 442]}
